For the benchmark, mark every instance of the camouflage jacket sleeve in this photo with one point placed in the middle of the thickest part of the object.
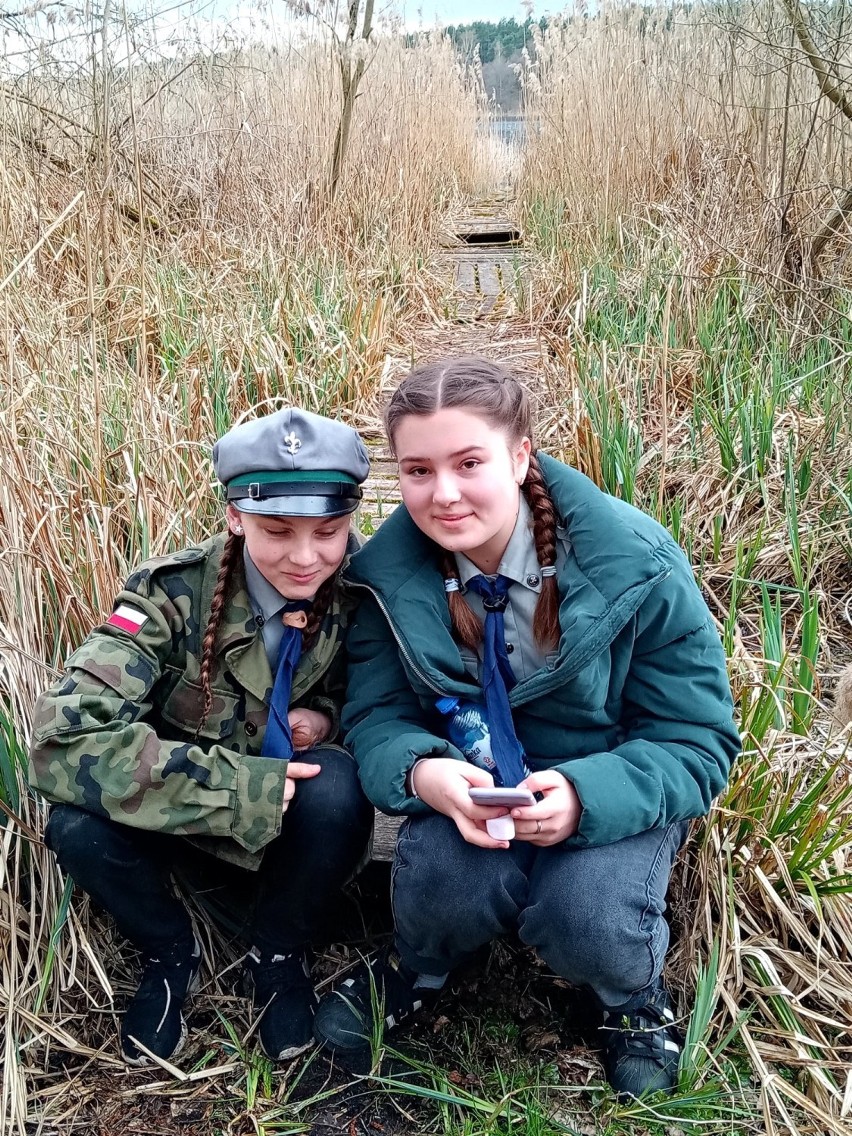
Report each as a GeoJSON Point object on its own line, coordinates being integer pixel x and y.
{"type": "Point", "coordinates": [95, 744]}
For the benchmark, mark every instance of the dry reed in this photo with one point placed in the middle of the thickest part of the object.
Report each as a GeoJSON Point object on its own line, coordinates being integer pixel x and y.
{"type": "Point", "coordinates": [168, 264]}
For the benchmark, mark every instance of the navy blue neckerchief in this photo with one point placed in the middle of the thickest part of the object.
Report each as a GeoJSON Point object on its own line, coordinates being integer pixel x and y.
{"type": "Point", "coordinates": [278, 739]}
{"type": "Point", "coordinates": [498, 679]}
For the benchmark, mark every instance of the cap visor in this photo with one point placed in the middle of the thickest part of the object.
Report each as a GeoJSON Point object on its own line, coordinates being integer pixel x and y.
{"type": "Point", "coordinates": [298, 506]}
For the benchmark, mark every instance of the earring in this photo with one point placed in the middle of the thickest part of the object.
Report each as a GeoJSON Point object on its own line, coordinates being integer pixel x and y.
{"type": "Point", "coordinates": [238, 529]}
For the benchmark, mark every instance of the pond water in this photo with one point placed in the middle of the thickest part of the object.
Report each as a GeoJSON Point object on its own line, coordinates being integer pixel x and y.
{"type": "Point", "coordinates": [509, 129]}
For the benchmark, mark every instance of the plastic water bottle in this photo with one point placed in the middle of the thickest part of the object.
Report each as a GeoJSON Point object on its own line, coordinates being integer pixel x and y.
{"type": "Point", "coordinates": [468, 730]}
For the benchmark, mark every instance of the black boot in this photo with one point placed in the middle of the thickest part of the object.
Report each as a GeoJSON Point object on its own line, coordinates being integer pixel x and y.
{"type": "Point", "coordinates": [346, 1018]}
{"type": "Point", "coordinates": [154, 1017]}
{"type": "Point", "coordinates": [284, 995]}
{"type": "Point", "coordinates": [642, 1047]}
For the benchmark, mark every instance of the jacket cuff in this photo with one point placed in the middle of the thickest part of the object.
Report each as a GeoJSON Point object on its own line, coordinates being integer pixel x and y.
{"type": "Point", "coordinates": [614, 806]}
{"type": "Point", "coordinates": [401, 800]}
{"type": "Point", "coordinates": [259, 801]}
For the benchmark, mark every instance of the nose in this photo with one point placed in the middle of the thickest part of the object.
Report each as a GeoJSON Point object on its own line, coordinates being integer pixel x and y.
{"type": "Point", "coordinates": [301, 552]}
{"type": "Point", "coordinates": [446, 491]}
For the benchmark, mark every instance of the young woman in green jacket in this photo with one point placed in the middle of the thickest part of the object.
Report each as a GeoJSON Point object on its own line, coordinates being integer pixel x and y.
{"type": "Point", "coordinates": [571, 622]}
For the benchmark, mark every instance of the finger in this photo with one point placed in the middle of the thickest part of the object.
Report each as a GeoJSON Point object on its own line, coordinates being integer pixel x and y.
{"type": "Point", "coordinates": [289, 789]}
{"type": "Point", "coordinates": [300, 770]}
{"type": "Point", "coordinates": [481, 813]}
{"type": "Point", "coordinates": [531, 835]}
{"type": "Point", "coordinates": [478, 836]}
{"type": "Point", "coordinates": [476, 776]}
{"type": "Point", "coordinates": [539, 782]}
{"type": "Point", "coordinates": [532, 813]}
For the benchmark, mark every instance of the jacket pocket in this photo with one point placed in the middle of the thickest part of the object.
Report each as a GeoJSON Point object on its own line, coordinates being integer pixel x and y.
{"type": "Point", "coordinates": [184, 707]}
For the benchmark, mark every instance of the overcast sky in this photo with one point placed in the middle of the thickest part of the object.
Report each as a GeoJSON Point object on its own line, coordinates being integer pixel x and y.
{"type": "Point", "coordinates": [171, 27]}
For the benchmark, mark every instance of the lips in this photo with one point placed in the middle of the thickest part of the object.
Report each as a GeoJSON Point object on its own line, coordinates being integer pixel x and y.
{"type": "Point", "coordinates": [453, 519]}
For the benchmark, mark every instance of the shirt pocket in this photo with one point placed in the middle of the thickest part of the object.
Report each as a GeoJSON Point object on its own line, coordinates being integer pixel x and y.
{"type": "Point", "coordinates": [184, 707]}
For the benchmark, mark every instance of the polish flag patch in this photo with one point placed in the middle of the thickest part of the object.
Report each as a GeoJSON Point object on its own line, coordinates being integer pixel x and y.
{"type": "Point", "coordinates": [128, 618]}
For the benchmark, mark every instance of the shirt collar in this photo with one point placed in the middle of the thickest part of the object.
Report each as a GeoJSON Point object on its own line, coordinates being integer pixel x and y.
{"type": "Point", "coordinates": [265, 599]}
{"type": "Point", "coordinates": [520, 560]}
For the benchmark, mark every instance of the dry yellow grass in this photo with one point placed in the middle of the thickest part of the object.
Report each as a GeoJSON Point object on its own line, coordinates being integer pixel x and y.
{"type": "Point", "coordinates": [128, 344]}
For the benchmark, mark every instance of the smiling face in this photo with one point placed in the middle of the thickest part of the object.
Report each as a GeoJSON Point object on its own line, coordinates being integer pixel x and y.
{"type": "Point", "coordinates": [295, 554]}
{"type": "Point", "coordinates": [460, 479]}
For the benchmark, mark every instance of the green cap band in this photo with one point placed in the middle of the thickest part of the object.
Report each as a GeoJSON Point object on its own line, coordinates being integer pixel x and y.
{"type": "Point", "coordinates": [273, 477]}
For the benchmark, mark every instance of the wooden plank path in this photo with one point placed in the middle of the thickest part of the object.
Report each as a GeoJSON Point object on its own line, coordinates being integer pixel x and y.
{"type": "Point", "coordinates": [482, 252]}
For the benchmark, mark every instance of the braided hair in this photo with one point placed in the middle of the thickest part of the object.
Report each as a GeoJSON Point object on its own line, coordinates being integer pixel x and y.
{"type": "Point", "coordinates": [230, 557]}
{"type": "Point", "coordinates": [489, 390]}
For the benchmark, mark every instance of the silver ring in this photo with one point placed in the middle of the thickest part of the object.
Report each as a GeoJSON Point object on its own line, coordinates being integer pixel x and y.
{"type": "Point", "coordinates": [537, 827]}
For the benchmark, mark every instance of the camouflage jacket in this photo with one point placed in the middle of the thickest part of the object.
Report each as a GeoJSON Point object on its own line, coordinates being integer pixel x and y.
{"type": "Point", "coordinates": [118, 734]}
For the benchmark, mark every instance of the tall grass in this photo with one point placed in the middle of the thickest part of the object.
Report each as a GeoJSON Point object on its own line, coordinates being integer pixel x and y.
{"type": "Point", "coordinates": [678, 165]}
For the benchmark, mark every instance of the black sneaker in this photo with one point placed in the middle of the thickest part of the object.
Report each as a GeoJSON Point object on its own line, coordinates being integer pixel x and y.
{"type": "Point", "coordinates": [345, 1020]}
{"type": "Point", "coordinates": [154, 1017]}
{"type": "Point", "coordinates": [284, 996]}
{"type": "Point", "coordinates": [642, 1047]}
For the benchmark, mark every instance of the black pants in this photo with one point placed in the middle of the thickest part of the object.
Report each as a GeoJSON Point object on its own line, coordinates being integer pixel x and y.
{"type": "Point", "coordinates": [287, 902]}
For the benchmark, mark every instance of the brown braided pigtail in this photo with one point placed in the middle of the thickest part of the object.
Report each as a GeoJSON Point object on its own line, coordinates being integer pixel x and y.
{"type": "Point", "coordinates": [546, 619]}
{"type": "Point", "coordinates": [230, 556]}
{"type": "Point", "coordinates": [466, 623]}
{"type": "Point", "coordinates": [321, 604]}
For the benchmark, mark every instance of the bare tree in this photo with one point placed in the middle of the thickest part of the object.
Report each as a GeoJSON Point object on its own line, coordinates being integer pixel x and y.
{"type": "Point", "coordinates": [352, 59]}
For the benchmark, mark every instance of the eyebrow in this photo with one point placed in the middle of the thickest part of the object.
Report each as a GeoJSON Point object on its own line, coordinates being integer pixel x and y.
{"type": "Point", "coordinates": [456, 454]}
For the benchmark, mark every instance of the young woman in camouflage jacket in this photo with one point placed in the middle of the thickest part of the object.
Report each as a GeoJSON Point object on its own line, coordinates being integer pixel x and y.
{"type": "Point", "coordinates": [174, 728]}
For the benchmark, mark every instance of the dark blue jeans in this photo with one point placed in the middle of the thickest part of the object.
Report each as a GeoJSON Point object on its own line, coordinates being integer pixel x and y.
{"type": "Point", "coordinates": [594, 915]}
{"type": "Point", "coordinates": [283, 906]}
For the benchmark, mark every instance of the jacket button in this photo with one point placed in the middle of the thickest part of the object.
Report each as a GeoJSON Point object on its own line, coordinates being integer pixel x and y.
{"type": "Point", "coordinates": [510, 648]}
{"type": "Point", "coordinates": [251, 729]}
{"type": "Point", "coordinates": [259, 620]}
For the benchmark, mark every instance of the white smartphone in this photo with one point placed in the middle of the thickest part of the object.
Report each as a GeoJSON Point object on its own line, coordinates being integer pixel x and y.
{"type": "Point", "coordinates": [501, 796]}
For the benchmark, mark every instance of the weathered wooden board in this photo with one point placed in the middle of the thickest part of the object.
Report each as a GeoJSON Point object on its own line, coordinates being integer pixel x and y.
{"type": "Point", "coordinates": [384, 836]}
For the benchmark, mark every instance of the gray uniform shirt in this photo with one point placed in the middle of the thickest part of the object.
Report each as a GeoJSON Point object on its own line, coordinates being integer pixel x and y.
{"type": "Point", "coordinates": [266, 603]}
{"type": "Point", "coordinates": [520, 565]}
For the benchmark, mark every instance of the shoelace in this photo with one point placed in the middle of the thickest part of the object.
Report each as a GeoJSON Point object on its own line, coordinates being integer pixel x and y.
{"type": "Point", "coordinates": [279, 974]}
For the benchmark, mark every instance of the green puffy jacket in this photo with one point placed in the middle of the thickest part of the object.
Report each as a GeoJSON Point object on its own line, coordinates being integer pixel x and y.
{"type": "Point", "coordinates": [634, 708]}
{"type": "Point", "coordinates": [119, 734]}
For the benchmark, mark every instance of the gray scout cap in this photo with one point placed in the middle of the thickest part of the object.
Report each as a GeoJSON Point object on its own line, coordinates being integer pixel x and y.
{"type": "Point", "coordinates": [292, 463]}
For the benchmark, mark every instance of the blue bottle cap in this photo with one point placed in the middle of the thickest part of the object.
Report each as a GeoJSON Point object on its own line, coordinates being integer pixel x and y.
{"type": "Point", "coordinates": [447, 704]}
